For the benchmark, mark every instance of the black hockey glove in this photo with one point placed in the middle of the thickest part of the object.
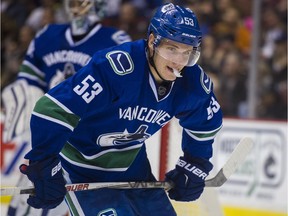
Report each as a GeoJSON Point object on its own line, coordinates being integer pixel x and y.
{"type": "Point", "coordinates": [48, 182]}
{"type": "Point", "coordinates": [188, 178]}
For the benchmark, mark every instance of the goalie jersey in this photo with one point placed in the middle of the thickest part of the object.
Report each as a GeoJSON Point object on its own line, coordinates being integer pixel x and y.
{"type": "Point", "coordinates": [53, 55]}
{"type": "Point", "coordinates": [98, 119]}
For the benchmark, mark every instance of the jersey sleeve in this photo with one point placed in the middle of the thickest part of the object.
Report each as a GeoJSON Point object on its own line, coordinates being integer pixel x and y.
{"type": "Point", "coordinates": [31, 67]}
{"type": "Point", "coordinates": [201, 122]}
{"type": "Point", "coordinates": [59, 111]}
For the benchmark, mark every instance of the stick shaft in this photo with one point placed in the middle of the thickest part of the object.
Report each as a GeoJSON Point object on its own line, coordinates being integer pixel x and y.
{"type": "Point", "coordinates": [236, 158]}
{"type": "Point", "coordinates": [10, 191]}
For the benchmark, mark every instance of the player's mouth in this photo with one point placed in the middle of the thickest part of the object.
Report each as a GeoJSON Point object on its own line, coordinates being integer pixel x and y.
{"type": "Point", "coordinates": [170, 69]}
{"type": "Point", "coordinates": [175, 71]}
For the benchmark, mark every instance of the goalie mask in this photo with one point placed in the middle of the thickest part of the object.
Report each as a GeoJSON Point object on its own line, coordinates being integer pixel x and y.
{"type": "Point", "coordinates": [84, 14]}
{"type": "Point", "coordinates": [174, 23]}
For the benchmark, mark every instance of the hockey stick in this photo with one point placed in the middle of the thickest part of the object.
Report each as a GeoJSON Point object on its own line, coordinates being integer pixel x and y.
{"type": "Point", "coordinates": [236, 158]}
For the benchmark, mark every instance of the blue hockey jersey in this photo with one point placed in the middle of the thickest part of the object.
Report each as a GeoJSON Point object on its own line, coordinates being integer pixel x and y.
{"type": "Point", "coordinates": [53, 55]}
{"type": "Point", "coordinates": [99, 118]}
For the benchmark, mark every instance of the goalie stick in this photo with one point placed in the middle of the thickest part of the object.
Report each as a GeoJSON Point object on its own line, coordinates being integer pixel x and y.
{"type": "Point", "coordinates": [235, 160]}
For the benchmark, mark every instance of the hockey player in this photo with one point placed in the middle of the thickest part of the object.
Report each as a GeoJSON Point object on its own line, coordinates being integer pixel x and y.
{"type": "Point", "coordinates": [94, 124]}
{"type": "Point", "coordinates": [55, 54]}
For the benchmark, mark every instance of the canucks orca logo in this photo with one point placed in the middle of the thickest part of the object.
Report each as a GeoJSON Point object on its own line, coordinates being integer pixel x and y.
{"type": "Point", "coordinates": [120, 62]}
{"type": "Point", "coordinates": [60, 76]}
{"type": "Point", "coordinates": [123, 138]}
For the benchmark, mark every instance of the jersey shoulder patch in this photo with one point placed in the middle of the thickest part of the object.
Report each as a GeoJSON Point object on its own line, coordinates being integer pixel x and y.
{"type": "Point", "coordinates": [120, 61]}
{"type": "Point", "coordinates": [120, 37]}
{"type": "Point", "coordinates": [205, 81]}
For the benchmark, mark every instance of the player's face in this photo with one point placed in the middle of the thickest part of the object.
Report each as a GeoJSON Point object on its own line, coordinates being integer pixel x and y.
{"type": "Point", "coordinates": [170, 57]}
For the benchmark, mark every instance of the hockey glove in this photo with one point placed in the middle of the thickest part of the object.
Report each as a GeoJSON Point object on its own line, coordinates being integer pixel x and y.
{"type": "Point", "coordinates": [188, 178]}
{"type": "Point", "coordinates": [48, 182]}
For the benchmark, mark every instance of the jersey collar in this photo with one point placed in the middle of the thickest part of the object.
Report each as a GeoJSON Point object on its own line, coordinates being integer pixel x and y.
{"type": "Point", "coordinates": [68, 35]}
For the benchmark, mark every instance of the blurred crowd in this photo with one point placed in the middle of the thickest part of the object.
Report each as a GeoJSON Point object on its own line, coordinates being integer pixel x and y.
{"type": "Point", "coordinates": [227, 27]}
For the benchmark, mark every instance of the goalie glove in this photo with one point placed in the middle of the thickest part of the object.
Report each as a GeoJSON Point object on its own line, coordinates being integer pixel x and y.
{"type": "Point", "coordinates": [188, 178]}
{"type": "Point", "coordinates": [48, 181]}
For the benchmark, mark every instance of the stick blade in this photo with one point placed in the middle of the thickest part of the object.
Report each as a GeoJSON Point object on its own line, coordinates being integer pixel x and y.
{"type": "Point", "coordinates": [9, 191]}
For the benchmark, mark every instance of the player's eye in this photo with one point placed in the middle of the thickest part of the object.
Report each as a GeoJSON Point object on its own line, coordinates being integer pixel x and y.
{"type": "Point", "coordinates": [187, 53]}
{"type": "Point", "coordinates": [171, 49]}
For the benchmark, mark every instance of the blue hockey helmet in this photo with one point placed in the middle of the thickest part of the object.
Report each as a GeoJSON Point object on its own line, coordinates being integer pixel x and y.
{"type": "Point", "coordinates": [175, 23]}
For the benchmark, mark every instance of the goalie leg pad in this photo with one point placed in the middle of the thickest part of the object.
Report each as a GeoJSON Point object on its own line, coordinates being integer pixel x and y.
{"type": "Point", "coordinates": [18, 99]}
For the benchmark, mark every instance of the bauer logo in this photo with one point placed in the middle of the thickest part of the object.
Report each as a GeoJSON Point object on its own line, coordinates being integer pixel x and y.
{"type": "Point", "coordinates": [188, 35]}
{"type": "Point", "coordinates": [120, 62]}
{"type": "Point", "coordinates": [107, 212]}
{"type": "Point", "coordinates": [167, 7]}
{"type": "Point", "coordinates": [56, 169]}
{"type": "Point", "coordinates": [190, 168]}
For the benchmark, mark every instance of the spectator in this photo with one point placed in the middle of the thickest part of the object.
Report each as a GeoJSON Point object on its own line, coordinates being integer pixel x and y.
{"type": "Point", "coordinates": [273, 29]}
{"type": "Point", "coordinates": [227, 26]}
{"type": "Point", "coordinates": [232, 84]}
{"type": "Point", "coordinates": [48, 11]}
{"type": "Point", "coordinates": [129, 19]}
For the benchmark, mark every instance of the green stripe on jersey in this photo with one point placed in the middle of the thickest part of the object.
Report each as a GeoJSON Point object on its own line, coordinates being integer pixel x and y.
{"type": "Point", "coordinates": [30, 71]}
{"type": "Point", "coordinates": [71, 205]}
{"type": "Point", "coordinates": [113, 158]}
{"type": "Point", "coordinates": [205, 135]}
{"type": "Point", "coordinates": [47, 107]}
